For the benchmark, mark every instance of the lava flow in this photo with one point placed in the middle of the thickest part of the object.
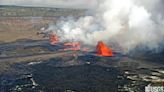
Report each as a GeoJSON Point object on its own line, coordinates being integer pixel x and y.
{"type": "Point", "coordinates": [54, 39]}
{"type": "Point", "coordinates": [72, 46]}
{"type": "Point", "coordinates": [103, 50]}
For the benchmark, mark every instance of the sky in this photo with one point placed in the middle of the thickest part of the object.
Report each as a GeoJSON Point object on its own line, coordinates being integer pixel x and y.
{"type": "Point", "coordinates": [50, 3]}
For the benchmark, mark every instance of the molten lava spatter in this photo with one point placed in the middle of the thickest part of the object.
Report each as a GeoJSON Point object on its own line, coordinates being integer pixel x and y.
{"type": "Point", "coordinates": [103, 50]}
{"type": "Point", "coordinates": [54, 39]}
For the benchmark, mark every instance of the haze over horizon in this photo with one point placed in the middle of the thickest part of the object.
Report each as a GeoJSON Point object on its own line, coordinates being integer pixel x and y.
{"type": "Point", "coordinates": [51, 3]}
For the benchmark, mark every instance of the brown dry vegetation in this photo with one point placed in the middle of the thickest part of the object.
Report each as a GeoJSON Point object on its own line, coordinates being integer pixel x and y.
{"type": "Point", "coordinates": [14, 28]}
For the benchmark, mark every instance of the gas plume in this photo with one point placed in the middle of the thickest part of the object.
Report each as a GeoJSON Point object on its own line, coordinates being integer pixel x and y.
{"type": "Point", "coordinates": [129, 24]}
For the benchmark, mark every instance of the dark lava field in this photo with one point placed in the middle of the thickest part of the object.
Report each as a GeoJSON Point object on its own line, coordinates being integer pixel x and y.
{"type": "Point", "coordinates": [28, 63]}
{"type": "Point", "coordinates": [36, 66]}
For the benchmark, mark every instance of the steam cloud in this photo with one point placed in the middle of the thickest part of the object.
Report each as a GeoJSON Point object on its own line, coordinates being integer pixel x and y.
{"type": "Point", "coordinates": [126, 23]}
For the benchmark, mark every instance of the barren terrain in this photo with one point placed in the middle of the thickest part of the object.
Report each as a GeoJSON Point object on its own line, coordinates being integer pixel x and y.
{"type": "Point", "coordinates": [29, 63]}
{"type": "Point", "coordinates": [15, 28]}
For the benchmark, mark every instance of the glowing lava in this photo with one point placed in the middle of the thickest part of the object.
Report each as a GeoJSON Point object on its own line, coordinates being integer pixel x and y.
{"type": "Point", "coordinates": [103, 50]}
{"type": "Point", "coordinates": [54, 39]}
{"type": "Point", "coordinates": [72, 46]}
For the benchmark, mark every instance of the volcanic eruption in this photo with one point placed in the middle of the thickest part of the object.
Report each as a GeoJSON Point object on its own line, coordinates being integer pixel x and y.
{"type": "Point", "coordinates": [72, 46]}
{"type": "Point", "coordinates": [54, 39]}
{"type": "Point", "coordinates": [103, 50]}
{"type": "Point", "coordinates": [131, 24]}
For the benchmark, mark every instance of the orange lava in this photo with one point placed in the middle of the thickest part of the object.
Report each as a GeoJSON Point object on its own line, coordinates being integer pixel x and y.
{"type": "Point", "coordinates": [103, 50]}
{"type": "Point", "coordinates": [85, 49]}
{"type": "Point", "coordinates": [54, 39]}
{"type": "Point", "coordinates": [75, 46]}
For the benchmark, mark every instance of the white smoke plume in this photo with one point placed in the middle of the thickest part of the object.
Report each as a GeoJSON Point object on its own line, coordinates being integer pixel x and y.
{"type": "Point", "coordinates": [126, 23]}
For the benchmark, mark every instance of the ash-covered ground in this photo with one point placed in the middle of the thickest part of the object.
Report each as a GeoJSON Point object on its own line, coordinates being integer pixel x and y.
{"type": "Point", "coordinates": [37, 66]}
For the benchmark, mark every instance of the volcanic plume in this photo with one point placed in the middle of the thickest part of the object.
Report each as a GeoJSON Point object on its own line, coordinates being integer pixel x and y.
{"type": "Point", "coordinates": [129, 23]}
